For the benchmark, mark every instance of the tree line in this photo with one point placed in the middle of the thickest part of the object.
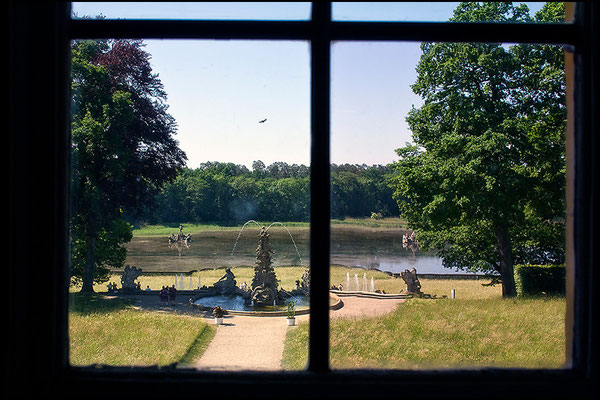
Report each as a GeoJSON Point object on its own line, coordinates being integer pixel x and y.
{"type": "Point", "coordinates": [229, 192]}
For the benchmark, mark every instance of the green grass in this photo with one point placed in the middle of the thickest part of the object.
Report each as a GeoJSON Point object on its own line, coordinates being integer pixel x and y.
{"type": "Point", "coordinates": [478, 329]}
{"type": "Point", "coordinates": [388, 223]}
{"type": "Point", "coordinates": [111, 332]}
{"type": "Point", "coordinates": [167, 229]}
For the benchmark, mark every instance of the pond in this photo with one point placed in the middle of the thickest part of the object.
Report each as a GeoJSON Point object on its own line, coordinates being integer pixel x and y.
{"type": "Point", "coordinates": [350, 246]}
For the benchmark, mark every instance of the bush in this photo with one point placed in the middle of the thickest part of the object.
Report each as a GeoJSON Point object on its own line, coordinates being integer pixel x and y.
{"type": "Point", "coordinates": [535, 280]}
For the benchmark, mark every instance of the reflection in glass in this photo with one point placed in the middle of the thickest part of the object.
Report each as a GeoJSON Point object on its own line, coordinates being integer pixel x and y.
{"type": "Point", "coordinates": [411, 11]}
{"type": "Point", "coordinates": [193, 10]}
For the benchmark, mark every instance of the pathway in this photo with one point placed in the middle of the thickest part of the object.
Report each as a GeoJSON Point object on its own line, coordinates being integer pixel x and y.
{"type": "Point", "coordinates": [256, 343]}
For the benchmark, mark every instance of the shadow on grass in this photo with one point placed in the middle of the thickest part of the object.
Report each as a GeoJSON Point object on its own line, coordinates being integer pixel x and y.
{"type": "Point", "coordinates": [197, 348]}
{"type": "Point", "coordinates": [96, 303]}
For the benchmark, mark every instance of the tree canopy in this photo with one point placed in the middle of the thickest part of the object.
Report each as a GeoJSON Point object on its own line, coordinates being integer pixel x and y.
{"type": "Point", "coordinates": [123, 150]}
{"type": "Point", "coordinates": [227, 192]}
{"type": "Point", "coordinates": [483, 181]}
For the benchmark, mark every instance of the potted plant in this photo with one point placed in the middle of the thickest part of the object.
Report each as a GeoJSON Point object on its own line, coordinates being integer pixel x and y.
{"type": "Point", "coordinates": [291, 313]}
{"type": "Point", "coordinates": [218, 313]}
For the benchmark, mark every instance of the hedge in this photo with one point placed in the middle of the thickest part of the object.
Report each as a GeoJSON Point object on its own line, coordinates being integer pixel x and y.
{"type": "Point", "coordinates": [535, 280]}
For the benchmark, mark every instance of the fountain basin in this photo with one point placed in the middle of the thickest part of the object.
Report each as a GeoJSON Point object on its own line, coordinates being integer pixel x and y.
{"type": "Point", "coordinates": [225, 302]}
{"type": "Point", "coordinates": [238, 303]}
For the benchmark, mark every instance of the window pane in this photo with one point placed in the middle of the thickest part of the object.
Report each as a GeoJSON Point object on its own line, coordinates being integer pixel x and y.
{"type": "Point", "coordinates": [448, 173]}
{"type": "Point", "coordinates": [193, 10]}
{"type": "Point", "coordinates": [219, 212]}
{"type": "Point", "coordinates": [432, 12]}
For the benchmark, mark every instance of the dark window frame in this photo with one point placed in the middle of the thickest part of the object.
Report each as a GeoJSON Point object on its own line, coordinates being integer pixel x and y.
{"type": "Point", "coordinates": [39, 147]}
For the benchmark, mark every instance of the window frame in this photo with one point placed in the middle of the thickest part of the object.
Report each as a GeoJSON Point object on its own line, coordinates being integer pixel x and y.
{"type": "Point", "coordinates": [45, 142]}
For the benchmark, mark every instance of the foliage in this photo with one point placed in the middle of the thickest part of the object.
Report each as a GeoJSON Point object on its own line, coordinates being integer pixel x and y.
{"type": "Point", "coordinates": [278, 192]}
{"type": "Point", "coordinates": [534, 280]}
{"type": "Point", "coordinates": [291, 309]}
{"type": "Point", "coordinates": [123, 148]}
{"type": "Point", "coordinates": [218, 312]}
{"type": "Point", "coordinates": [110, 252]}
{"type": "Point", "coordinates": [483, 183]}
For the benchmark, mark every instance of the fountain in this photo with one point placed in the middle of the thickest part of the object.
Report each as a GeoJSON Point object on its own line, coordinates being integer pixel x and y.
{"type": "Point", "coordinates": [347, 281]}
{"type": "Point", "coordinates": [372, 285]}
{"type": "Point", "coordinates": [263, 291]}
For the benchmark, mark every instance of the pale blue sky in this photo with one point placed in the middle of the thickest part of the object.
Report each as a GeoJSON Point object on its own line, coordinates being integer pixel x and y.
{"type": "Point", "coordinates": [219, 90]}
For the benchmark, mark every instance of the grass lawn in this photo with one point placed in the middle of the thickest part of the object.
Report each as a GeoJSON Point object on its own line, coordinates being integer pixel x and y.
{"type": "Point", "coordinates": [477, 329]}
{"type": "Point", "coordinates": [166, 230]}
{"type": "Point", "coordinates": [109, 331]}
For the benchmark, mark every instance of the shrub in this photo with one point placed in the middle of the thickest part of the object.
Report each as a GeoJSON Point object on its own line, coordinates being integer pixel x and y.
{"type": "Point", "coordinates": [535, 280]}
{"type": "Point", "coordinates": [218, 312]}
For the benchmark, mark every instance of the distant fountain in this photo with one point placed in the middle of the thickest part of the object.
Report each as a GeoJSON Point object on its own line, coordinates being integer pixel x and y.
{"type": "Point", "coordinates": [179, 241]}
{"type": "Point", "coordinates": [372, 285]}
{"type": "Point", "coordinates": [364, 286]}
{"type": "Point", "coordinates": [264, 283]}
{"type": "Point", "coordinates": [347, 281]}
{"type": "Point", "coordinates": [240, 234]}
{"type": "Point", "coordinates": [291, 237]}
{"type": "Point", "coordinates": [356, 287]}
{"type": "Point", "coordinates": [263, 290]}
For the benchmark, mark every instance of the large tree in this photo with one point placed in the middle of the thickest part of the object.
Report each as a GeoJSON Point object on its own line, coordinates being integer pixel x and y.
{"type": "Point", "coordinates": [483, 181]}
{"type": "Point", "coordinates": [123, 150]}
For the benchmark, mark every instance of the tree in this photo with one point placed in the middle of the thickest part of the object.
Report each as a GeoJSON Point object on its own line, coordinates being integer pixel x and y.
{"type": "Point", "coordinates": [483, 183]}
{"type": "Point", "coordinates": [123, 149]}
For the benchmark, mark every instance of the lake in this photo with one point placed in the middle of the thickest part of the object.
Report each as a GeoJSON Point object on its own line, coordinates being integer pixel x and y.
{"type": "Point", "coordinates": [350, 246]}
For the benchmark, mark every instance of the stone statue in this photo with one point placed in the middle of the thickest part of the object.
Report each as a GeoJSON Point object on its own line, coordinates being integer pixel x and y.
{"type": "Point", "coordinates": [304, 284]}
{"type": "Point", "coordinates": [412, 281]}
{"type": "Point", "coordinates": [130, 274]}
{"type": "Point", "coordinates": [227, 284]}
{"type": "Point", "coordinates": [264, 284]}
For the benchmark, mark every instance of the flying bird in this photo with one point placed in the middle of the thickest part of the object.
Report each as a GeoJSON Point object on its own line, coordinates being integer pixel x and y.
{"type": "Point", "coordinates": [261, 121]}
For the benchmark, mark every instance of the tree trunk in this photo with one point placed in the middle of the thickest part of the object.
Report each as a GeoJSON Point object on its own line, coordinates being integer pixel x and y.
{"type": "Point", "coordinates": [90, 256]}
{"type": "Point", "coordinates": [506, 261]}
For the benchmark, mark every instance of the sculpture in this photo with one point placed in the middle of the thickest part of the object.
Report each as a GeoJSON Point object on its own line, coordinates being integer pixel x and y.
{"type": "Point", "coordinates": [264, 284]}
{"type": "Point", "coordinates": [227, 283]}
{"type": "Point", "coordinates": [412, 281]}
{"type": "Point", "coordinates": [130, 274]}
{"type": "Point", "coordinates": [304, 284]}
{"type": "Point", "coordinates": [181, 238]}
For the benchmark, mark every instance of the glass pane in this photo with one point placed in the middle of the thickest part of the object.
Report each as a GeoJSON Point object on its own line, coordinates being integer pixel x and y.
{"type": "Point", "coordinates": [218, 212]}
{"type": "Point", "coordinates": [448, 174]}
{"type": "Point", "coordinates": [441, 12]}
{"type": "Point", "coordinates": [193, 10]}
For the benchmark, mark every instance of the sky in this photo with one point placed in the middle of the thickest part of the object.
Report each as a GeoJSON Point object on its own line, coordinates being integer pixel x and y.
{"type": "Point", "coordinates": [218, 91]}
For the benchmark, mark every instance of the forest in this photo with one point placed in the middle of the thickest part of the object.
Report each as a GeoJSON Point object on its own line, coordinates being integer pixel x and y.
{"type": "Point", "coordinates": [228, 192]}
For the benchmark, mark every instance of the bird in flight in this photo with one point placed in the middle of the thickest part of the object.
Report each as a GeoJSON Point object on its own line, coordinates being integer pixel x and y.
{"type": "Point", "coordinates": [261, 121]}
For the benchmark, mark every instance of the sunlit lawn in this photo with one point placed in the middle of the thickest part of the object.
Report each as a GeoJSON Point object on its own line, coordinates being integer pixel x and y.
{"type": "Point", "coordinates": [477, 329]}
{"type": "Point", "coordinates": [166, 230]}
{"type": "Point", "coordinates": [110, 332]}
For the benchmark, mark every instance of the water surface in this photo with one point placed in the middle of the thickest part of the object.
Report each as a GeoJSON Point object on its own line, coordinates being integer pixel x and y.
{"type": "Point", "coordinates": [350, 246]}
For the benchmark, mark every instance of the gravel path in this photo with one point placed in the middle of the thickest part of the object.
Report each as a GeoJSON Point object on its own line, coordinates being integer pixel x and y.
{"type": "Point", "coordinates": [256, 343]}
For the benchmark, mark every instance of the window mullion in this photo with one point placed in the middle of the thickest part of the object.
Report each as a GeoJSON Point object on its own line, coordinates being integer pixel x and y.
{"type": "Point", "coordinates": [319, 194]}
